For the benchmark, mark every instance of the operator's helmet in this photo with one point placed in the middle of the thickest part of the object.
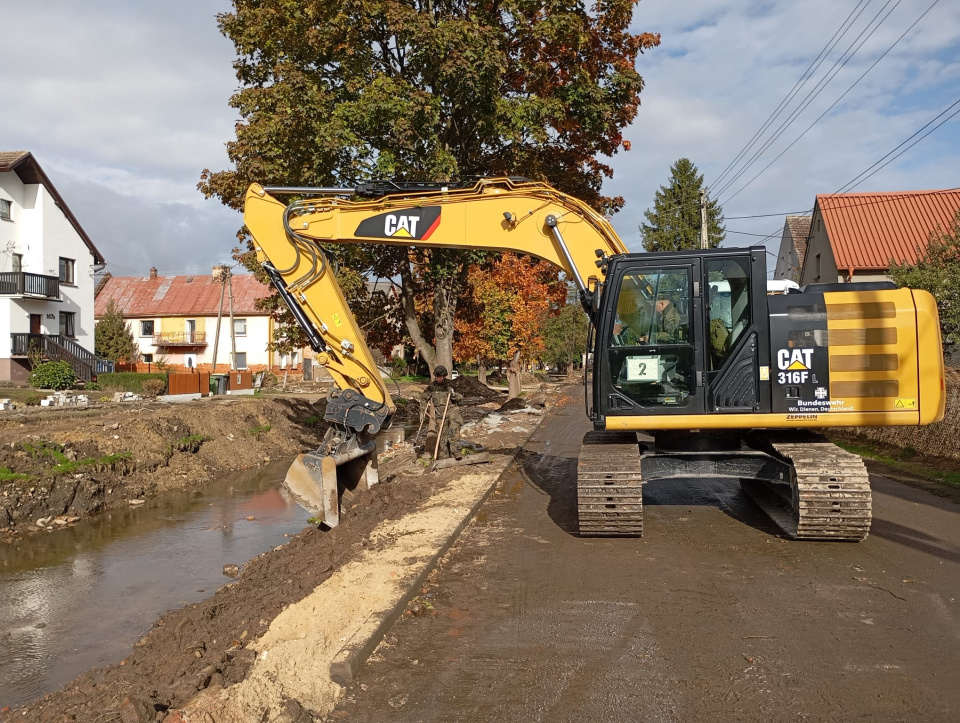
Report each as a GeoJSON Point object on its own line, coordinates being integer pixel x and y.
{"type": "Point", "coordinates": [440, 371]}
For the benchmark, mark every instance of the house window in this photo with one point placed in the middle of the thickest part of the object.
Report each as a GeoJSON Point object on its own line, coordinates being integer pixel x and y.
{"type": "Point", "coordinates": [67, 320]}
{"type": "Point", "coordinates": [17, 263]}
{"type": "Point", "coordinates": [5, 210]}
{"type": "Point", "coordinates": [148, 358]}
{"type": "Point", "coordinates": [241, 360]}
{"type": "Point", "coordinates": [240, 327]}
{"type": "Point", "coordinates": [66, 271]}
{"type": "Point", "coordinates": [146, 328]}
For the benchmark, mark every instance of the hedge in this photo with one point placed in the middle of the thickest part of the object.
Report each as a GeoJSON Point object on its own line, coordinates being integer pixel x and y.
{"type": "Point", "coordinates": [127, 381]}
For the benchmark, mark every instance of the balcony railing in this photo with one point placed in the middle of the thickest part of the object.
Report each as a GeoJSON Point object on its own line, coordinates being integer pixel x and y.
{"type": "Point", "coordinates": [180, 338]}
{"type": "Point", "coordinates": [38, 286]}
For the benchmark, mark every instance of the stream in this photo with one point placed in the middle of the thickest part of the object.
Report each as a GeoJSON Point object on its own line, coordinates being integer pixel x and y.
{"type": "Point", "coordinates": [79, 597]}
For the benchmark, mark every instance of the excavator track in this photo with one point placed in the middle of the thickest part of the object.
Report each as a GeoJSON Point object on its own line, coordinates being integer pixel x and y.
{"type": "Point", "coordinates": [828, 497]}
{"type": "Point", "coordinates": [609, 485]}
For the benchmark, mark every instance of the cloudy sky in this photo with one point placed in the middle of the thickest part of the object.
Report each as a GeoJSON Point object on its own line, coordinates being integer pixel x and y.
{"type": "Point", "coordinates": [124, 103]}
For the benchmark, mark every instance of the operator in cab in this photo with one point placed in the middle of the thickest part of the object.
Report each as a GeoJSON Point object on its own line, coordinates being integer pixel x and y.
{"type": "Point", "coordinates": [440, 404]}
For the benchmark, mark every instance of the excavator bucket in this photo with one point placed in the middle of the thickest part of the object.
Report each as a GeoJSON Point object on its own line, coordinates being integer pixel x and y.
{"type": "Point", "coordinates": [320, 482]}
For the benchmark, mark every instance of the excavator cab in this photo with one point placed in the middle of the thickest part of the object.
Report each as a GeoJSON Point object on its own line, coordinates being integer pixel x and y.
{"type": "Point", "coordinates": [680, 334]}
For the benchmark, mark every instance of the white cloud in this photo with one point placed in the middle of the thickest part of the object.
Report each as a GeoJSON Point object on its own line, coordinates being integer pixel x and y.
{"type": "Point", "coordinates": [720, 72]}
{"type": "Point", "coordinates": [124, 102]}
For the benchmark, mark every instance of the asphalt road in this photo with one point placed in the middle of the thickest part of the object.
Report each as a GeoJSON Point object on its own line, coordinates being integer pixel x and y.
{"type": "Point", "coordinates": [712, 616]}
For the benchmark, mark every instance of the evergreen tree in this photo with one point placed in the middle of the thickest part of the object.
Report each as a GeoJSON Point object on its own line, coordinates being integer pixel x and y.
{"type": "Point", "coordinates": [113, 337]}
{"type": "Point", "coordinates": [937, 270]}
{"type": "Point", "coordinates": [674, 222]}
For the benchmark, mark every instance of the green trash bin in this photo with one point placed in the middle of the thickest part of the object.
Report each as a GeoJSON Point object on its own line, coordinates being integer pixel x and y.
{"type": "Point", "coordinates": [218, 383]}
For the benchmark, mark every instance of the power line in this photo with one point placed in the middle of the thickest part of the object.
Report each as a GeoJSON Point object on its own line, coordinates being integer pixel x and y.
{"type": "Point", "coordinates": [807, 74]}
{"type": "Point", "coordinates": [820, 117]}
{"type": "Point", "coordinates": [845, 58]}
{"type": "Point", "coordinates": [854, 182]}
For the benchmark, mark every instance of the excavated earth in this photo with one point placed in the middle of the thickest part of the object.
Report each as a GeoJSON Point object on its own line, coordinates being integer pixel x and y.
{"type": "Point", "coordinates": [149, 449]}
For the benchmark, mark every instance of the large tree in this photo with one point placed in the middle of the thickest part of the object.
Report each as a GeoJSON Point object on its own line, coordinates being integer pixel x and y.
{"type": "Point", "coordinates": [335, 92]}
{"type": "Point", "coordinates": [510, 301]}
{"type": "Point", "coordinates": [937, 270]}
{"type": "Point", "coordinates": [675, 220]}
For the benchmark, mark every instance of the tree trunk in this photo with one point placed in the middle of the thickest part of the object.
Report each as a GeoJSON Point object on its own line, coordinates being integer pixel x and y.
{"type": "Point", "coordinates": [513, 376]}
{"type": "Point", "coordinates": [445, 294]}
{"type": "Point", "coordinates": [481, 371]}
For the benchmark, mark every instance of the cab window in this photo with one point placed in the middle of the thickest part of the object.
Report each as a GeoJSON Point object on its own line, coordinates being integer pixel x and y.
{"type": "Point", "coordinates": [651, 350]}
{"type": "Point", "coordinates": [728, 315]}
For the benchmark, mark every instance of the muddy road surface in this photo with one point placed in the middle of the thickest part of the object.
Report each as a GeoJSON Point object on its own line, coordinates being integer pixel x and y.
{"type": "Point", "coordinates": [712, 616]}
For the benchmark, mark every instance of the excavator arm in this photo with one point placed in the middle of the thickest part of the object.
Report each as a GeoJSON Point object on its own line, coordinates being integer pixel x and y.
{"type": "Point", "coordinates": [493, 214]}
{"type": "Point", "coordinates": [500, 214]}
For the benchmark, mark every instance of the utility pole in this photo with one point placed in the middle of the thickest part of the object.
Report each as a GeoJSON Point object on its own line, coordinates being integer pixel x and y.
{"type": "Point", "coordinates": [233, 329]}
{"type": "Point", "coordinates": [222, 278]}
{"type": "Point", "coordinates": [704, 242]}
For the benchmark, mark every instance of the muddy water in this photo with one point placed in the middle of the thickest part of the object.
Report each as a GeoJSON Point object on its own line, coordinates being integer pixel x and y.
{"type": "Point", "coordinates": [78, 598]}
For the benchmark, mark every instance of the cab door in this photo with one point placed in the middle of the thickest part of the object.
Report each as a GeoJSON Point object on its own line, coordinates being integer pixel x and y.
{"type": "Point", "coordinates": [649, 345]}
{"type": "Point", "coordinates": [735, 331]}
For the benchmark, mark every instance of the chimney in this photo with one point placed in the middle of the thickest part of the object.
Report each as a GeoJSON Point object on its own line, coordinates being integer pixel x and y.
{"type": "Point", "coordinates": [153, 272]}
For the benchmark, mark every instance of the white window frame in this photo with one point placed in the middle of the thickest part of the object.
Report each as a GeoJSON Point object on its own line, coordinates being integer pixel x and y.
{"type": "Point", "coordinates": [6, 210]}
{"type": "Point", "coordinates": [154, 327]}
{"type": "Point", "coordinates": [239, 327]}
{"type": "Point", "coordinates": [236, 361]}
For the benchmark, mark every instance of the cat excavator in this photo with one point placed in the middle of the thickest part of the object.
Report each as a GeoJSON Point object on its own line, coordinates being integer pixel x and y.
{"type": "Point", "coordinates": [686, 348]}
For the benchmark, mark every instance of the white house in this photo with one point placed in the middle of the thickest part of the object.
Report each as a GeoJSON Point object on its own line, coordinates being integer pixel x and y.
{"type": "Point", "coordinates": [174, 321]}
{"type": "Point", "coordinates": [46, 273]}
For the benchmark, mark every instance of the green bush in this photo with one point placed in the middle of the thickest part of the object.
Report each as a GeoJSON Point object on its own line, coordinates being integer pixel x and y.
{"type": "Point", "coordinates": [127, 381]}
{"type": "Point", "coordinates": [54, 375]}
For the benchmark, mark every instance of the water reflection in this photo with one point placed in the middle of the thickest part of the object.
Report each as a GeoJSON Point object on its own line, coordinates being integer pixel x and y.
{"type": "Point", "coordinates": [78, 598]}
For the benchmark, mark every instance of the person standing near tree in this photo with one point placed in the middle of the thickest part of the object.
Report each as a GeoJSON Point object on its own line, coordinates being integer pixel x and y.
{"type": "Point", "coordinates": [439, 397]}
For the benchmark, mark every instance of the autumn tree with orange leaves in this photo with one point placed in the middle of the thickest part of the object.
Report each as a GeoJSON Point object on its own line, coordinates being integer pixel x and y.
{"type": "Point", "coordinates": [338, 92]}
{"type": "Point", "coordinates": [510, 302]}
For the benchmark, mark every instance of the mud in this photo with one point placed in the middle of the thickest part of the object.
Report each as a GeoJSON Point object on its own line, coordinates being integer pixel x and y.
{"type": "Point", "coordinates": [210, 645]}
{"type": "Point", "coordinates": [75, 463]}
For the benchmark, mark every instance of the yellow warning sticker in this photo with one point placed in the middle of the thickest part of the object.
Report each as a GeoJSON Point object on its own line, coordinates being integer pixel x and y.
{"type": "Point", "coordinates": [336, 320]}
{"type": "Point", "coordinates": [905, 404]}
{"type": "Point", "coordinates": [764, 374]}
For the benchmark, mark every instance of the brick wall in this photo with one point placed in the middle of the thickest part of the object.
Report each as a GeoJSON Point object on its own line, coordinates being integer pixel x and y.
{"type": "Point", "coordinates": [938, 439]}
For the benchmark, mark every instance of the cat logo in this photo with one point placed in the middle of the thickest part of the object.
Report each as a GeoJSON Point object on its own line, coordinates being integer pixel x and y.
{"type": "Point", "coordinates": [416, 224]}
{"type": "Point", "coordinates": [794, 360]}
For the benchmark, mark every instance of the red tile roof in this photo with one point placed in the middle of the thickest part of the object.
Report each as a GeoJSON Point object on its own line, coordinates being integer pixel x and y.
{"type": "Point", "coordinates": [866, 230]}
{"type": "Point", "coordinates": [179, 295]}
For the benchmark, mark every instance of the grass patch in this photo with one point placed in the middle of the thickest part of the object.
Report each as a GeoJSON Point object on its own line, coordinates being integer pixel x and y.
{"type": "Point", "coordinates": [312, 421]}
{"type": "Point", "coordinates": [190, 443]}
{"type": "Point", "coordinates": [8, 475]}
{"type": "Point", "coordinates": [259, 430]}
{"type": "Point", "coordinates": [64, 465]}
{"type": "Point", "coordinates": [901, 461]}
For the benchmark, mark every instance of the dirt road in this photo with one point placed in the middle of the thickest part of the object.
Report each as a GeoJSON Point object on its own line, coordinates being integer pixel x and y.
{"type": "Point", "coordinates": [711, 616]}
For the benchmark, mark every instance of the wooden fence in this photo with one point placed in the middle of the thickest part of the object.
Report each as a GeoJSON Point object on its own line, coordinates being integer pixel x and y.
{"type": "Point", "coordinates": [189, 383]}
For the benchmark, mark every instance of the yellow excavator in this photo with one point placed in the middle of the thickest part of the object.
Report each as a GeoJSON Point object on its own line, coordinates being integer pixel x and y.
{"type": "Point", "coordinates": [687, 347]}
